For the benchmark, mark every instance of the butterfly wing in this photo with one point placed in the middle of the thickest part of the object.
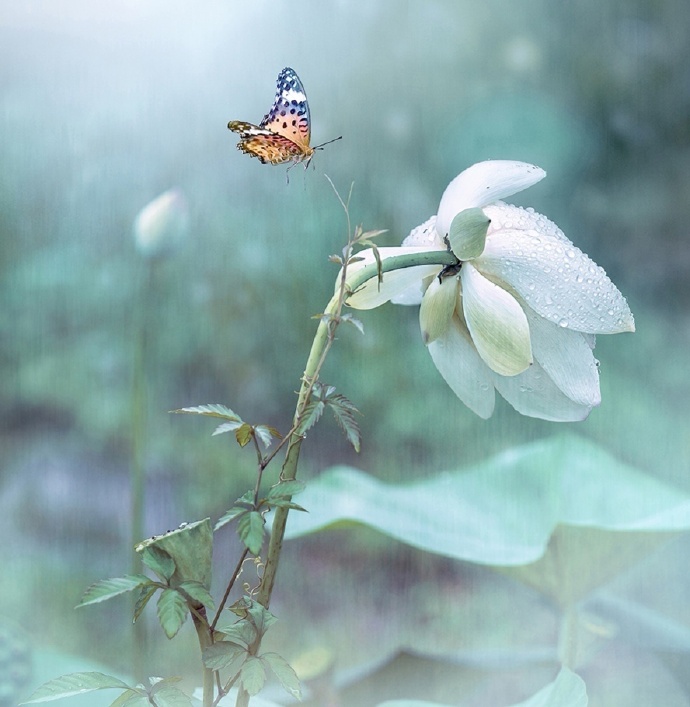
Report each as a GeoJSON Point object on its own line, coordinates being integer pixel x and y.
{"type": "Point", "coordinates": [289, 116]}
{"type": "Point", "coordinates": [265, 144]}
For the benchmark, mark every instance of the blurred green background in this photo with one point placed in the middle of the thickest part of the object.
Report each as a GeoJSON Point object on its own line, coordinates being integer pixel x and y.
{"type": "Point", "coordinates": [103, 106]}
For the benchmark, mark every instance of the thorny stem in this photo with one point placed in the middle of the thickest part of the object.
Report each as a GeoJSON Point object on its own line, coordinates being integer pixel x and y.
{"type": "Point", "coordinates": [323, 340]}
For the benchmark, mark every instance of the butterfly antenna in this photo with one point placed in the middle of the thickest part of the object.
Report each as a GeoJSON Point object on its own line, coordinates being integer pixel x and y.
{"type": "Point", "coordinates": [321, 146]}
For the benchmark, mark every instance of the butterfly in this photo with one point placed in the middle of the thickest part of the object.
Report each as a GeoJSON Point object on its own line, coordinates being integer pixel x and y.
{"type": "Point", "coordinates": [284, 133]}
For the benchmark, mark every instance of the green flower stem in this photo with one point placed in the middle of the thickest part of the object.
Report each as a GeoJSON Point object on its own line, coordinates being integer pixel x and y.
{"type": "Point", "coordinates": [139, 396]}
{"type": "Point", "coordinates": [397, 262]}
{"type": "Point", "coordinates": [323, 340]}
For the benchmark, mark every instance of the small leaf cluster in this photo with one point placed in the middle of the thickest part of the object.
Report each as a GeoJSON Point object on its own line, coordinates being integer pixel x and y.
{"type": "Point", "coordinates": [234, 647]}
{"type": "Point", "coordinates": [250, 513]}
{"type": "Point", "coordinates": [244, 432]}
{"type": "Point", "coordinates": [175, 601]}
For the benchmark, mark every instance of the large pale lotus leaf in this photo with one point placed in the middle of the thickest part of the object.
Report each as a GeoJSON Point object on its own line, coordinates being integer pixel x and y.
{"type": "Point", "coordinates": [374, 293]}
{"type": "Point", "coordinates": [566, 357]}
{"type": "Point", "coordinates": [482, 184]}
{"type": "Point", "coordinates": [567, 690]}
{"type": "Point", "coordinates": [497, 323]}
{"type": "Point", "coordinates": [534, 394]}
{"type": "Point", "coordinates": [438, 307]}
{"type": "Point", "coordinates": [580, 559]}
{"type": "Point", "coordinates": [539, 505]}
{"type": "Point", "coordinates": [557, 280]}
{"type": "Point", "coordinates": [457, 360]}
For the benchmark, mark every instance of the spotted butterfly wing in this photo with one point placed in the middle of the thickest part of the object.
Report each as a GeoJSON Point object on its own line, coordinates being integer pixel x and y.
{"type": "Point", "coordinates": [284, 133]}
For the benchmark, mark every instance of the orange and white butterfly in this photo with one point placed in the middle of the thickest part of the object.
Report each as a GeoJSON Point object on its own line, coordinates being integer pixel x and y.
{"type": "Point", "coordinates": [284, 133]}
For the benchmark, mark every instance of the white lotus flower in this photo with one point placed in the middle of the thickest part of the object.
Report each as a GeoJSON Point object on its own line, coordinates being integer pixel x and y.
{"type": "Point", "coordinates": [519, 311]}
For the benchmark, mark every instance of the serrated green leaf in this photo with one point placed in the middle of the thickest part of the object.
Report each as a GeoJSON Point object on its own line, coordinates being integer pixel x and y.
{"type": "Point", "coordinates": [285, 489]}
{"type": "Point", "coordinates": [172, 611]}
{"type": "Point", "coordinates": [142, 600]}
{"type": "Point", "coordinates": [108, 588]}
{"type": "Point", "coordinates": [265, 434]}
{"type": "Point", "coordinates": [220, 655]}
{"type": "Point", "coordinates": [253, 675]}
{"type": "Point", "coordinates": [228, 516]}
{"type": "Point", "coordinates": [241, 632]}
{"type": "Point", "coordinates": [284, 672]}
{"type": "Point", "coordinates": [250, 528]}
{"type": "Point", "coordinates": [227, 427]}
{"type": "Point", "coordinates": [344, 412]}
{"type": "Point", "coordinates": [170, 696]}
{"type": "Point", "coordinates": [243, 434]}
{"type": "Point", "coordinates": [74, 684]}
{"type": "Point", "coordinates": [213, 410]}
{"type": "Point", "coordinates": [198, 593]}
{"type": "Point", "coordinates": [311, 415]}
{"type": "Point", "coordinates": [282, 503]}
{"type": "Point", "coordinates": [159, 561]}
{"type": "Point", "coordinates": [261, 617]}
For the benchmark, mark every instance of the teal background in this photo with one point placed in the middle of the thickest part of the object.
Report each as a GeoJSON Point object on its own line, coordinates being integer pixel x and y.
{"type": "Point", "coordinates": [103, 106]}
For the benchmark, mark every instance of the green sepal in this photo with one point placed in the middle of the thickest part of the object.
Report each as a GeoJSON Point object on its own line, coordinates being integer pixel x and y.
{"type": "Point", "coordinates": [467, 234]}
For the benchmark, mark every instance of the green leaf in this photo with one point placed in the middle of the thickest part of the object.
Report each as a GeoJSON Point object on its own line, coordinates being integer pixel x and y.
{"type": "Point", "coordinates": [244, 434]}
{"type": "Point", "coordinates": [284, 672]}
{"type": "Point", "coordinates": [253, 675]}
{"type": "Point", "coordinates": [344, 412]}
{"type": "Point", "coordinates": [74, 684]}
{"type": "Point", "coordinates": [285, 490]}
{"type": "Point", "coordinates": [221, 654]}
{"type": "Point", "coordinates": [467, 234]}
{"type": "Point", "coordinates": [132, 698]}
{"type": "Point", "coordinates": [241, 632]}
{"type": "Point", "coordinates": [227, 427]}
{"type": "Point", "coordinates": [228, 516]}
{"type": "Point", "coordinates": [282, 503]}
{"type": "Point", "coordinates": [244, 504]}
{"type": "Point", "coordinates": [190, 546]}
{"type": "Point", "coordinates": [167, 695]}
{"type": "Point", "coordinates": [158, 561]}
{"type": "Point", "coordinates": [213, 410]}
{"type": "Point", "coordinates": [311, 415]}
{"type": "Point", "coordinates": [198, 593]}
{"type": "Point", "coordinates": [567, 690]}
{"type": "Point", "coordinates": [145, 595]}
{"type": "Point", "coordinates": [265, 434]}
{"type": "Point", "coordinates": [261, 617]}
{"type": "Point", "coordinates": [251, 531]}
{"type": "Point", "coordinates": [109, 588]}
{"type": "Point", "coordinates": [561, 512]}
{"type": "Point", "coordinates": [172, 611]}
